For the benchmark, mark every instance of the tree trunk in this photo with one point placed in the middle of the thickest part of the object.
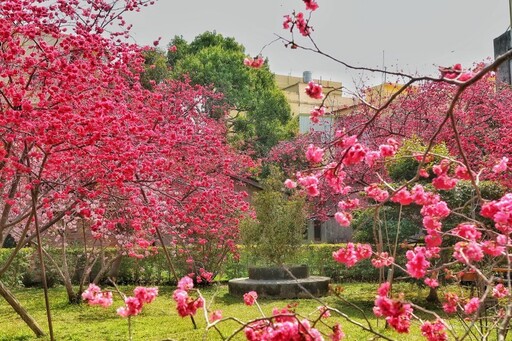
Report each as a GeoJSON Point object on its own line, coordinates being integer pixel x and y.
{"type": "Point", "coordinates": [16, 305]}
{"type": "Point", "coordinates": [432, 296]}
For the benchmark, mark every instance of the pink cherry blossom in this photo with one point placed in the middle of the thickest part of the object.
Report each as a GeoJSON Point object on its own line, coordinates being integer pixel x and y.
{"type": "Point", "coordinates": [348, 204]}
{"type": "Point", "coordinates": [397, 313]}
{"type": "Point", "coordinates": [304, 29]}
{"type": "Point", "coordinates": [450, 304]}
{"type": "Point", "coordinates": [435, 331]}
{"type": "Point", "coordinates": [500, 291]}
{"type": "Point", "coordinates": [314, 154]}
{"type": "Point", "coordinates": [423, 173]}
{"type": "Point", "coordinates": [377, 194]}
{"type": "Point", "coordinates": [472, 306]}
{"type": "Point", "coordinates": [314, 90]}
{"type": "Point", "coordinates": [467, 231]}
{"type": "Point", "coordinates": [185, 283]}
{"type": "Point", "coordinates": [310, 183]}
{"type": "Point", "coordinates": [501, 166]}
{"type": "Point", "coordinates": [343, 218]}
{"type": "Point", "coordinates": [133, 306]}
{"type": "Point", "coordinates": [382, 259]}
{"type": "Point", "coordinates": [461, 172]}
{"type": "Point", "coordinates": [324, 312]}
{"type": "Point", "coordinates": [351, 254]}
{"type": "Point", "coordinates": [290, 184]}
{"type": "Point", "coordinates": [337, 333]}
{"type": "Point", "coordinates": [255, 63]}
{"type": "Point", "coordinates": [215, 316]}
{"type": "Point", "coordinates": [444, 182]}
{"type": "Point", "coordinates": [403, 197]}
{"type": "Point", "coordinates": [186, 305]}
{"type": "Point", "coordinates": [417, 263]}
{"type": "Point", "coordinates": [145, 295]}
{"type": "Point", "coordinates": [492, 248]}
{"type": "Point", "coordinates": [311, 4]}
{"type": "Point", "coordinates": [467, 252]}
{"type": "Point", "coordinates": [386, 150]}
{"type": "Point", "coordinates": [451, 72]}
{"type": "Point", "coordinates": [287, 22]}
{"type": "Point", "coordinates": [354, 155]}
{"type": "Point", "coordinates": [316, 113]}
{"type": "Point", "coordinates": [250, 298]}
{"type": "Point", "coordinates": [94, 296]}
{"type": "Point", "coordinates": [465, 76]}
{"type": "Point", "coordinates": [371, 157]}
{"type": "Point", "coordinates": [431, 282]}
{"type": "Point", "coordinates": [442, 167]}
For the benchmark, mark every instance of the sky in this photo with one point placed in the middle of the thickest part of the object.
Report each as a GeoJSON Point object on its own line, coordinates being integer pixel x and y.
{"type": "Point", "coordinates": [401, 35]}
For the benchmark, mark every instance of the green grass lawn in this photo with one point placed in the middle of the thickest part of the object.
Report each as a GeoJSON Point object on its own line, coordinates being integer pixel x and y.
{"type": "Point", "coordinates": [159, 320]}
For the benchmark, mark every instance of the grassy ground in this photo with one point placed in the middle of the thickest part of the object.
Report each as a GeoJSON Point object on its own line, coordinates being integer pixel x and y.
{"type": "Point", "coordinates": [159, 320]}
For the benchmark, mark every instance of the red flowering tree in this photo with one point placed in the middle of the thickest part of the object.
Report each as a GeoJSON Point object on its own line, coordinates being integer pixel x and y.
{"type": "Point", "coordinates": [82, 140]}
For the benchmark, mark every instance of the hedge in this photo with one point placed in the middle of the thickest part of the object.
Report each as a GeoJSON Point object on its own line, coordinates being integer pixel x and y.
{"type": "Point", "coordinates": [153, 270]}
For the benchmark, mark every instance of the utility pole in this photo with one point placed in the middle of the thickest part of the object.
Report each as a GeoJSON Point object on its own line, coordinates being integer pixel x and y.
{"type": "Point", "coordinates": [510, 13]}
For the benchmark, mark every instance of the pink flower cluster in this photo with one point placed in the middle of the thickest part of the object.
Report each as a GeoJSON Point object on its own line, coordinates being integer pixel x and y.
{"type": "Point", "coordinates": [500, 291]}
{"type": "Point", "coordinates": [316, 113]}
{"type": "Point", "coordinates": [133, 305]}
{"type": "Point", "coordinates": [310, 183]}
{"type": "Point", "coordinates": [397, 313]}
{"type": "Point", "coordinates": [373, 191]}
{"type": "Point", "coordinates": [314, 90]}
{"type": "Point", "coordinates": [94, 296]}
{"type": "Point", "coordinates": [311, 5]}
{"type": "Point", "coordinates": [501, 166]}
{"type": "Point", "coordinates": [451, 302]}
{"type": "Point", "coordinates": [343, 217]}
{"type": "Point", "coordinates": [186, 305]}
{"type": "Point", "coordinates": [455, 72]}
{"type": "Point", "coordinates": [500, 212]}
{"type": "Point", "coordinates": [417, 263]}
{"type": "Point", "coordinates": [443, 181]}
{"type": "Point", "coordinates": [314, 154]}
{"type": "Point", "coordinates": [382, 259]}
{"type": "Point", "coordinates": [435, 331]}
{"type": "Point", "coordinates": [250, 298]}
{"type": "Point", "coordinates": [472, 306]}
{"type": "Point", "coordinates": [352, 254]}
{"type": "Point", "coordinates": [255, 63]}
{"type": "Point", "coordinates": [285, 326]}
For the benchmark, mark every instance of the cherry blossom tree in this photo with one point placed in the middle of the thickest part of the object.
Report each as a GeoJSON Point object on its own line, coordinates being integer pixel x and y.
{"type": "Point", "coordinates": [83, 140]}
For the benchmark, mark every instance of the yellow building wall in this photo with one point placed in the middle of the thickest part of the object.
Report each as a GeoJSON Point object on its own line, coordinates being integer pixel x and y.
{"type": "Point", "coordinates": [300, 103]}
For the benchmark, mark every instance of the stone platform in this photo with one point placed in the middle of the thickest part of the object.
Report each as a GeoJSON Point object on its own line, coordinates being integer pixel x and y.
{"type": "Point", "coordinates": [280, 288]}
{"type": "Point", "coordinates": [278, 282]}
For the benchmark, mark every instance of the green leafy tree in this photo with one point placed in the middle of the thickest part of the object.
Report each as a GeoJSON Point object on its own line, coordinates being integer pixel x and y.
{"type": "Point", "coordinates": [155, 68]}
{"type": "Point", "coordinates": [259, 113]}
{"type": "Point", "coordinates": [275, 235]}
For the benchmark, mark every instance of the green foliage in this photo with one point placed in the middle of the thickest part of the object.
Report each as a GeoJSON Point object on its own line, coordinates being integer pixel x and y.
{"type": "Point", "coordinates": [155, 68]}
{"type": "Point", "coordinates": [277, 232]}
{"type": "Point", "coordinates": [318, 258]}
{"type": "Point", "coordinates": [259, 111]}
{"type": "Point", "coordinates": [462, 194]}
{"type": "Point", "coordinates": [19, 267]}
{"type": "Point", "coordinates": [407, 225]}
{"type": "Point", "coordinates": [403, 166]}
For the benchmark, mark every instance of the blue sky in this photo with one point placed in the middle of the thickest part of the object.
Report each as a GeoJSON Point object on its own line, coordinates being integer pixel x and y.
{"type": "Point", "coordinates": [409, 35]}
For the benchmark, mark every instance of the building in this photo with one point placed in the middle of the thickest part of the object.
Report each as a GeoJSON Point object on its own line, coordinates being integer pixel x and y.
{"type": "Point", "coordinates": [294, 89]}
{"type": "Point", "coordinates": [502, 44]}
